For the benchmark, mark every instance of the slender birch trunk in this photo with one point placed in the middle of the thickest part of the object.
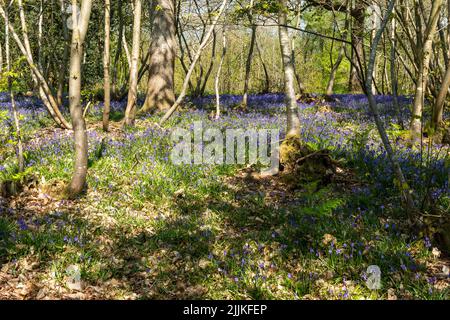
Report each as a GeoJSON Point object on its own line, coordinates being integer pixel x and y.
{"type": "Point", "coordinates": [18, 135]}
{"type": "Point", "coordinates": [106, 66]}
{"type": "Point", "coordinates": [127, 51]}
{"type": "Point", "coordinates": [1, 61]}
{"type": "Point", "coordinates": [438, 110]}
{"type": "Point", "coordinates": [374, 21]}
{"type": "Point", "coordinates": [76, 111]}
{"type": "Point", "coordinates": [401, 181]}
{"type": "Point", "coordinates": [334, 70]}
{"type": "Point", "coordinates": [357, 56]}
{"type": "Point", "coordinates": [293, 121]}
{"type": "Point", "coordinates": [115, 66]}
{"type": "Point", "coordinates": [248, 63]}
{"type": "Point", "coordinates": [44, 89]}
{"type": "Point", "coordinates": [248, 67]}
{"type": "Point", "coordinates": [422, 81]}
{"type": "Point", "coordinates": [40, 27]}
{"type": "Point", "coordinates": [130, 113]}
{"type": "Point", "coordinates": [65, 57]}
{"type": "Point", "coordinates": [301, 87]}
{"type": "Point", "coordinates": [394, 79]}
{"type": "Point", "coordinates": [266, 72]}
{"type": "Point", "coordinates": [219, 71]}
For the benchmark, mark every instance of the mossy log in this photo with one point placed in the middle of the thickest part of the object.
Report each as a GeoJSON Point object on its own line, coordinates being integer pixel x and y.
{"type": "Point", "coordinates": [301, 164]}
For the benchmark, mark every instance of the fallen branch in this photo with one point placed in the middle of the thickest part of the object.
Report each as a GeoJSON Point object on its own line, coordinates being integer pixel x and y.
{"type": "Point", "coordinates": [86, 109]}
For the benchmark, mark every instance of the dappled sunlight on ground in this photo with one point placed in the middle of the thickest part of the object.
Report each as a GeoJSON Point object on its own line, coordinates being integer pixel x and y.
{"type": "Point", "coordinates": [146, 228]}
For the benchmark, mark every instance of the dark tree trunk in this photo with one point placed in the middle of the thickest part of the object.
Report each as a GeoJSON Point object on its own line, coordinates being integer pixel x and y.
{"type": "Point", "coordinates": [160, 88]}
{"type": "Point", "coordinates": [248, 66]}
{"type": "Point", "coordinates": [357, 38]}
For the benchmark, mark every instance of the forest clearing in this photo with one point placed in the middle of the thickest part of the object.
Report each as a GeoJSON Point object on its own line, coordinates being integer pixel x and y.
{"type": "Point", "coordinates": [136, 160]}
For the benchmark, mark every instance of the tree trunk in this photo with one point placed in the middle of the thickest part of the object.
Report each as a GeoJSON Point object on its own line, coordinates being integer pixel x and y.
{"type": "Point", "coordinates": [130, 113]}
{"type": "Point", "coordinates": [106, 65]}
{"type": "Point", "coordinates": [26, 41]}
{"type": "Point", "coordinates": [1, 61]}
{"type": "Point", "coordinates": [334, 70]}
{"type": "Point", "coordinates": [38, 78]}
{"type": "Point", "coordinates": [394, 75]}
{"type": "Point", "coordinates": [63, 67]}
{"type": "Point", "coordinates": [266, 73]}
{"type": "Point", "coordinates": [422, 78]}
{"type": "Point", "coordinates": [293, 122]}
{"type": "Point", "coordinates": [301, 87]}
{"type": "Point", "coordinates": [375, 9]}
{"type": "Point", "coordinates": [127, 52]}
{"type": "Point", "coordinates": [248, 63]}
{"type": "Point", "coordinates": [160, 88]}
{"type": "Point", "coordinates": [193, 64]}
{"type": "Point", "coordinates": [181, 40]}
{"type": "Point", "coordinates": [79, 126]}
{"type": "Point", "coordinates": [219, 71]}
{"type": "Point", "coordinates": [440, 101]}
{"type": "Point", "coordinates": [115, 65]}
{"type": "Point", "coordinates": [402, 184]}
{"type": "Point", "coordinates": [210, 68]}
{"type": "Point", "coordinates": [438, 109]}
{"type": "Point", "coordinates": [19, 146]}
{"type": "Point", "coordinates": [356, 77]}
{"type": "Point", "coordinates": [39, 42]}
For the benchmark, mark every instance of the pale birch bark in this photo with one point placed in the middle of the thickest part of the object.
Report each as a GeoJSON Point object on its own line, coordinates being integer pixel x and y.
{"type": "Point", "coordinates": [423, 74]}
{"type": "Point", "coordinates": [19, 146]}
{"type": "Point", "coordinates": [248, 63]}
{"type": "Point", "coordinates": [357, 56]}
{"type": "Point", "coordinates": [401, 181]}
{"type": "Point", "coordinates": [219, 71]}
{"type": "Point", "coordinates": [1, 61]}
{"type": "Point", "coordinates": [106, 67]}
{"type": "Point", "coordinates": [130, 113]}
{"type": "Point", "coordinates": [44, 90]}
{"type": "Point", "coordinates": [375, 22]}
{"type": "Point", "coordinates": [293, 121]}
{"type": "Point", "coordinates": [65, 57]}
{"type": "Point", "coordinates": [127, 51]}
{"type": "Point", "coordinates": [266, 72]}
{"type": "Point", "coordinates": [76, 111]}
{"type": "Point", "coordinates": [301, 87]}
{"type": "Point", "coordinates": [40, 27]}
{"type": "Point", "coordinates": [115, 66]}
{"type": "Point", "coordinates": [394, 80]}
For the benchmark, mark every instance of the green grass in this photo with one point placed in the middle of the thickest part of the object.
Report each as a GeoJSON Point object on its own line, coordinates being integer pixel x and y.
{"type": "Point", "coordinates": [149, 229]}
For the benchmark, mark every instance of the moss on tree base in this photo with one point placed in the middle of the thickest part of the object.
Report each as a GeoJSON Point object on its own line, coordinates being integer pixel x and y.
{"type": "Point", "coordinates": [300, 164]}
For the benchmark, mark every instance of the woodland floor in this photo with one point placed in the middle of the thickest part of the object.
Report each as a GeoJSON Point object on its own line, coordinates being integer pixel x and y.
{"type": "Point", "coordinates": [146, 229]}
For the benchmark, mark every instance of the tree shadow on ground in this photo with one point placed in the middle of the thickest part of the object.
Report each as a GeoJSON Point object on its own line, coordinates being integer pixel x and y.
{"type": "Point", "coordinates": [245, 237]}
